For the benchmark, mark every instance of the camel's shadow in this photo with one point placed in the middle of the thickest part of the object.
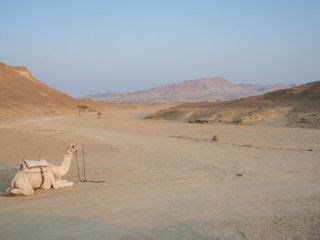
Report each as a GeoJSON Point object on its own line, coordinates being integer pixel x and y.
{"type": "Point", "coordinates": [6, 175]}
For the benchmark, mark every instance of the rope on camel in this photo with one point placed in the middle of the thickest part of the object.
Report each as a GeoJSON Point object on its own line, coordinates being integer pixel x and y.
{"type": "Point", "coordinates": [84, 179]}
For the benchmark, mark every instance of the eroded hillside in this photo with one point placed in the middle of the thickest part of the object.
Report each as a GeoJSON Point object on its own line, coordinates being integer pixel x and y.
{"type": "Point", "coordinates": [296, 107]}
{"type": "Point", "coordinates": [23, 94]}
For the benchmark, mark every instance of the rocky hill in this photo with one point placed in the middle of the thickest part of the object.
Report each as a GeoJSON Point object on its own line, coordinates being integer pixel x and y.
{"type": "Point", "coordinates": [23, 94]}
{"type": "Point", "coordinates": [297, 107]}
{"type": "Point", "coordinates": [205, 89]}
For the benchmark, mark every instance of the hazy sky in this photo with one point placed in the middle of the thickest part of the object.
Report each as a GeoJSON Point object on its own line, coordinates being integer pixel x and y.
{"type": "Point", "coordinates": [92, 46]}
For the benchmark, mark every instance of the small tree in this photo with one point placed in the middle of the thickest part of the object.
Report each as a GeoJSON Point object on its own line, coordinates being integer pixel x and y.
{"type": "Point", "coordinates": [81, 108]}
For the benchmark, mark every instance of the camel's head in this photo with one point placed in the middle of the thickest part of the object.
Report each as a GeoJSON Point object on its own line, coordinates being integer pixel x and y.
{"type": "Point", "coordinates": [73, 148]}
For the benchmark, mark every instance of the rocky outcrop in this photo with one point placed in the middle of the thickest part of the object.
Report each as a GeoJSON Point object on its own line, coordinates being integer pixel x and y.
{"type": "Point", "coordinates": [295, 107]}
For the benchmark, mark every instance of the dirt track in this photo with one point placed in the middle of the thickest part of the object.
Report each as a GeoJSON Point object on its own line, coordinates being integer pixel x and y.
{"type": "Point", "coordinates": [165, 180]}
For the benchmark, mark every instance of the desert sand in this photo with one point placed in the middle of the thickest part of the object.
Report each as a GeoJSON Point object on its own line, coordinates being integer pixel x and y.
{"type": "Point", "coordinates": [164, 179]}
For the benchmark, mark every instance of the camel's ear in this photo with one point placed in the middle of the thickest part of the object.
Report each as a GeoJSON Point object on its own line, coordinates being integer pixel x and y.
{"type": "Point", "coordinates": [22, 162]}
{"type": "Point", "coordinates": [23, 159]}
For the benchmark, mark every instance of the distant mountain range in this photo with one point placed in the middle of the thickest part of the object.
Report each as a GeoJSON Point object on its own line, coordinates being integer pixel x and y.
{"type": "Point", "coordinates": [204, 89]}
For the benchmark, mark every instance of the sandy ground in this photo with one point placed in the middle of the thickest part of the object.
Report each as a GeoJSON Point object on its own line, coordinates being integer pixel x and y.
{"type": "Point", "coordinates": [164, 180]}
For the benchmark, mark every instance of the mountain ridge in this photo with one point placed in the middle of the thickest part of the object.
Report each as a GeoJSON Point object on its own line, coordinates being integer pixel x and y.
{"type": "Point", "coordinates": [296, 107]}
{"type": "Point", "coordinates": [202, 89]}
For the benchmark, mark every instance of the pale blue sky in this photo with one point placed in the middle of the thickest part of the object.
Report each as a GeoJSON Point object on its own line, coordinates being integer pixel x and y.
{"type": "Point", "coordinates": [84, 47]}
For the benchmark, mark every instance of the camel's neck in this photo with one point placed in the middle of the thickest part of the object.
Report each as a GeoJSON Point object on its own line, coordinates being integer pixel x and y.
{"type": "Point", "coordinates": [65, 165]}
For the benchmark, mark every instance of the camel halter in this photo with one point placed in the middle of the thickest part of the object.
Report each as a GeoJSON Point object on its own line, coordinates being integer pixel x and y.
{"type": "Point", "coordinates": [84, 179]}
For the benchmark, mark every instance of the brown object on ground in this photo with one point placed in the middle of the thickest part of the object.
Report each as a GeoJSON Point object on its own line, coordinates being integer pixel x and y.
{"type": "Point", "coordinates": [238, 122]}
{"type": "Point", "coordinates": [215, 138]}
{"type": "Point", "coordinates": [294, 107]}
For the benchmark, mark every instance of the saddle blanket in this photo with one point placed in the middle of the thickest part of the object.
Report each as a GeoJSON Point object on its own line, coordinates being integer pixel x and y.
{"type": "Point", "coordinates": [35, 163]}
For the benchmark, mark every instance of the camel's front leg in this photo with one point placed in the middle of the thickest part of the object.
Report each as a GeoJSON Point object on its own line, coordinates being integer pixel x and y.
{"type": "Point", "coordinates": [60, 184]}
{"type": "Point", "coordinates": [57, 185]}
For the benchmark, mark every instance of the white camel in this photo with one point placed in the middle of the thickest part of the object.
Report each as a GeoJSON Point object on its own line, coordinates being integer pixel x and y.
{"type": "Point", "coordinates": [46, 176]}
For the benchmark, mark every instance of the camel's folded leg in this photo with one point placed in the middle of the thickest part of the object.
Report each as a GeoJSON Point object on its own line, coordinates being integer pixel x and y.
{"type": "Point", "coordinates": [18, 191]}
{"type": "Point", "coordinates": [20, 185]}
{"type": "Point", "coordinates": [57, 185]}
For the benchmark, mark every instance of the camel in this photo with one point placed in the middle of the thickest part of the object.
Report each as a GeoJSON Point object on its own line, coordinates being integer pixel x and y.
{"type": "Point", "coordinates": [45, 176]}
